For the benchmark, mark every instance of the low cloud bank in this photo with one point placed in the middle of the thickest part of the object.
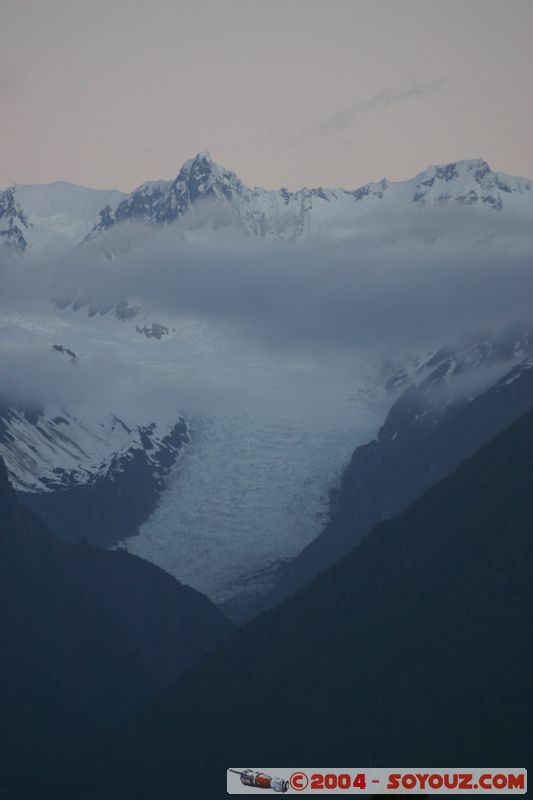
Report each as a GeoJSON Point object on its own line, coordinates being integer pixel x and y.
{"type": "Point", "coordinates": [397, 287]}
{"type": "Point", "coordinates": [375, 290]}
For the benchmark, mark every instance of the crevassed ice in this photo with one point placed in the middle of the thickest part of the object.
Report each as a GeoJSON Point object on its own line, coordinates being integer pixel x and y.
{"type": "Point", "coordinates": [247, 492]}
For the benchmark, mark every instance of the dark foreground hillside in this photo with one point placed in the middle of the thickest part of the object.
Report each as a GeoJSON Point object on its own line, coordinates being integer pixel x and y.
{"type": "Point", "coordinates": [87, 637]}
{"type": "Point", "coordinates": [411, 651]}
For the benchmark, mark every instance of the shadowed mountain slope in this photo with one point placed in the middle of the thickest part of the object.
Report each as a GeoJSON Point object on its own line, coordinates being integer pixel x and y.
{"type": "Point", "coordinates": [87, 637]}
{"type": "Point", "coordinates": [412, 650]}
{"type": "Point", "coordinates": [420, 443]}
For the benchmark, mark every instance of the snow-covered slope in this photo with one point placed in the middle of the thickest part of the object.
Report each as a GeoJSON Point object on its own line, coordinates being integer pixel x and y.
{"type": "Point", "coordinates": [77, 436]}
{"type": "Point", "coordinates": [207, 196]}
{"type": "Point", "coordinates": [50, 449]}
{"type": "Point", "coordinates": [50, 216]}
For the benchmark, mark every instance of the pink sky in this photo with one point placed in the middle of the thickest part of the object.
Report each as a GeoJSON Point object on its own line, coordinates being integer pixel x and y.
{"type": "Point", "coordinates": [110, 93]}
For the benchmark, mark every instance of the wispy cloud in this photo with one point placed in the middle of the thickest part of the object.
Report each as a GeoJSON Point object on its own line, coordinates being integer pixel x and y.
{"type": "Point", "coordinates": [382, 100]}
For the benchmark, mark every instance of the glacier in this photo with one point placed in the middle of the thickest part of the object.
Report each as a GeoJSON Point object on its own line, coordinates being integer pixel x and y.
{"type": "Point", "coordinates": [248, 492]}
{"type": "Point", "coordinates": [97, 382]}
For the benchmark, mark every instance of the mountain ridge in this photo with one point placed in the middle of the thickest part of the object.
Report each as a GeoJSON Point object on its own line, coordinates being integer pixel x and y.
{"type": "Point", "coordinates": [410, 649]}
{"type": "Point", "coordinates": [276, 213]}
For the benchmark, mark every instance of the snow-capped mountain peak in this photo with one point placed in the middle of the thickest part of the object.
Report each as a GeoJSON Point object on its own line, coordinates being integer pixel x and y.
{"type": "Point", "coordinates": [289, 215]}
{"type": "Point", "coordinates": [470, 182]}
{"type": "Point", "coordinates": [12, 221]}
{"type": "Point", "coordinates": [201, 177]}
{"type": "Point", "coordinates": [33, 216]}
{"type": "Point", "coordinates": [162, 202]}
{"type": "Point", "coordinates": [55, 216]}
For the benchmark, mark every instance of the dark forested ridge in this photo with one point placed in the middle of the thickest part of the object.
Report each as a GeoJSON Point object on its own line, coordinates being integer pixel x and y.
{"type": "Point", "coordinates": [87, 637]}
{"type": "Point", "coordinates": [411, 651]}
{"type": "Point", "coordinates": [415, 448]}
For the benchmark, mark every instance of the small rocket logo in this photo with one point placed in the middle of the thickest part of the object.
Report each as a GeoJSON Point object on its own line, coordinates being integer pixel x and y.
{"type": "Point", "coordinates": [250, 777]}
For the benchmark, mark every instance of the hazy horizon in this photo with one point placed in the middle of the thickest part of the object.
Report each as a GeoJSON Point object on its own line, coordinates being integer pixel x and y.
{"type": "Point", "coordinates": [171, 177]}
{"type": "Point", "coordinates": [288, 94]}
